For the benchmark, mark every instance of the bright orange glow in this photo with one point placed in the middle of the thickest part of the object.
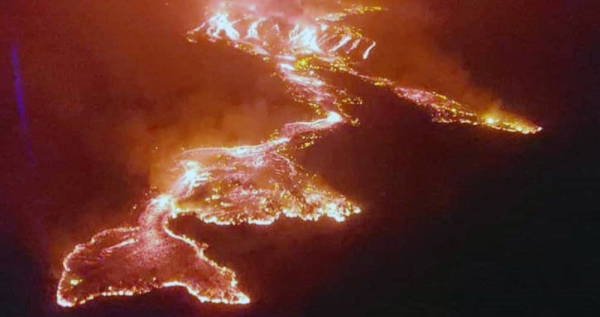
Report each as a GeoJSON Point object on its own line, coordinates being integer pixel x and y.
{"type": "Point", "coordinates": [255, 184]}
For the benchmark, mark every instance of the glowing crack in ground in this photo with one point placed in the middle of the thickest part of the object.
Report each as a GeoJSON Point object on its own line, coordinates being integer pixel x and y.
{"type": "Point", "coordinates": [249, 184]}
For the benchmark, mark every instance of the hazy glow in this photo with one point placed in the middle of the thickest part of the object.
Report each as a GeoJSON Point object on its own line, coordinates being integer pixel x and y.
{"type": "Point", "coordinates": [255, 184]}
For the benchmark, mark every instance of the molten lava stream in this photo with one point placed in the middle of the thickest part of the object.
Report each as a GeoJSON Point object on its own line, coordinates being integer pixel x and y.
{"type": "Point", "coordinates": [250, 184]}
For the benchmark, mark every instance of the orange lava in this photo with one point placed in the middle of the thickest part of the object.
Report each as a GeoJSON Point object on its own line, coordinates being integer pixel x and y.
{"type": "Point", "coordinates": [248, 184]}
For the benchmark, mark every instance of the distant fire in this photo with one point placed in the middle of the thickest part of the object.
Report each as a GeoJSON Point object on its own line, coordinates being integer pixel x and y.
{"type": "Point", "coordinates": [249, 184]}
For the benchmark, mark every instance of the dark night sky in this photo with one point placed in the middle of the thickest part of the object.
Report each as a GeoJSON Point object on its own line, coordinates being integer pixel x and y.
{"type": "Point", "coordinates": [458, 220]}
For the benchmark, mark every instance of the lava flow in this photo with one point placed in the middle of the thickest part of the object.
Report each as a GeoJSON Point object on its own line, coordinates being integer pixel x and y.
{"type": "Point", "coordinates": [249, 184]}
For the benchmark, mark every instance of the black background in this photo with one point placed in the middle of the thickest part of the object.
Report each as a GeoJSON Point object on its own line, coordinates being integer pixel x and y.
{"type": "Point", "coordinates": [457, 220]}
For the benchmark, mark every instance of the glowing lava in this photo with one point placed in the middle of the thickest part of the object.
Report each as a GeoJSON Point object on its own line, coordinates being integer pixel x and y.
{"type": "Point", "coordinates": [248, 184]}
